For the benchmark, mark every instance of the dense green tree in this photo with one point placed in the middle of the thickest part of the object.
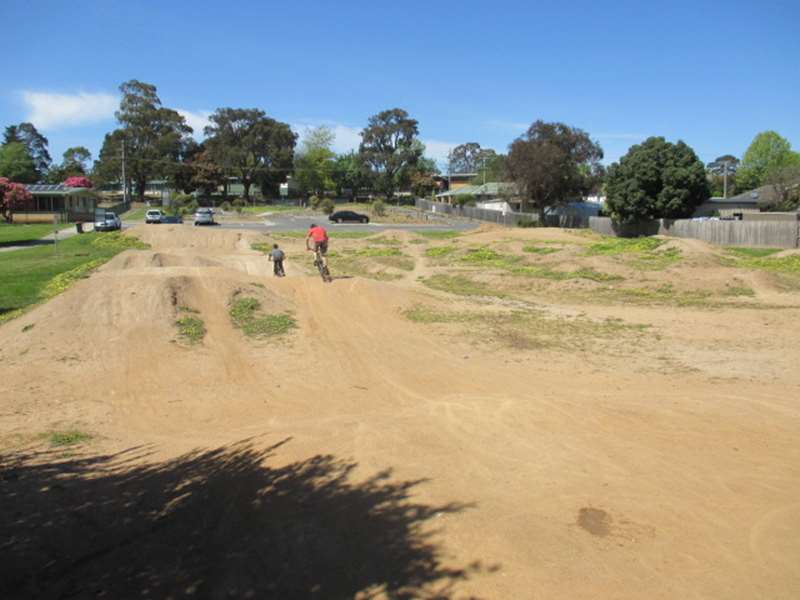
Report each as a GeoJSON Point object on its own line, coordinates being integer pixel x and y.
{"type": "Point", "coordinates": [656, 179]}
{"type": "Point", "coordinates": [492, 169]}
{"type": "Point", "coordinates": [250, 145]}
{"type": "Point", "coordinates": [350, 173]}
{"type": "Point", "coordinates": [17, 164]}
{"type": "Point", "coordinates": [207, 176]}
{"type": "Point", "coordinates": [785, 183]}
{"type": "Point", "coordinates": [388, 146]}
{"type": "Point", "coordinates": [34, 141]}
{"type": "Point", "coordinates": [314, 162]}
{"type": "Point", "coordinates": [552, 164]}
{"type": "Point", "coordinates": [768, 150]}
{"type": "Point", "coordinates": [107, 168]}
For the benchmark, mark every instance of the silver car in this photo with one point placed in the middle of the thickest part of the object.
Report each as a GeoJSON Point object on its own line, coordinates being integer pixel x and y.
{"type": "Point", "coordinates": [204, 216]}
{"type": "Point", "coordinates": [107, 222]}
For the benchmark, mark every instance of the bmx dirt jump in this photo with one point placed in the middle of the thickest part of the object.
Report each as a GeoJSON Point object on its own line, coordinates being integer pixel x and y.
{"type": "Point", "coordinates": [493, 414]}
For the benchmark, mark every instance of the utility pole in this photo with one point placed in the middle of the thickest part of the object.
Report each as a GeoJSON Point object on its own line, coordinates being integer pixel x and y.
{"type": "Point", "coordinates": [124, 180]}
{"type": "Point", "coordinates": [725, 179]}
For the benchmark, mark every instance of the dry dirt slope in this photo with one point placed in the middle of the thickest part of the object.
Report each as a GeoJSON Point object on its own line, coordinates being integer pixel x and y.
{"type": "Point", "coordinates": [364, 456]}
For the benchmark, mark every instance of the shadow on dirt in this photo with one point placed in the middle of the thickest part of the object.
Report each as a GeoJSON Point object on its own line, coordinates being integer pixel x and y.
{"type": "Point", "coordinates": [214, 524]}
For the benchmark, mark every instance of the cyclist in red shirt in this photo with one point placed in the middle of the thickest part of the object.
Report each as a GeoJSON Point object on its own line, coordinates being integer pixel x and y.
{"type": "Point", "coordinates": [319, 236]}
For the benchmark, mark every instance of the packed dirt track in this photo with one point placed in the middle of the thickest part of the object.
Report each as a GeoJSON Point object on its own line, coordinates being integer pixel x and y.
{"type": "Point", "coordinates": [589, 428]}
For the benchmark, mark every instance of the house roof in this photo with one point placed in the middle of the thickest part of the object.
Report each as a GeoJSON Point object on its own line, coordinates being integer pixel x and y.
{"type": "Point", "coordinates": [54, 189]}
{"type": "Point", "coordinates": [492, 188]}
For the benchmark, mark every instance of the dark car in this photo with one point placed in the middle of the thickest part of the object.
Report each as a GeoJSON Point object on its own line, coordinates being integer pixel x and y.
{"type": "Point", "coordinates": [171, 219]}
{"type": "Point", "coordinates": [344, 216]}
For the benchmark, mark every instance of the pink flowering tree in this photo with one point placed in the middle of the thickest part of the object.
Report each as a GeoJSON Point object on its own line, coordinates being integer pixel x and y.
{"type": "Point", "coordinates": [78, 181]}
{"type": "Point", "coordinates": [13, 196]}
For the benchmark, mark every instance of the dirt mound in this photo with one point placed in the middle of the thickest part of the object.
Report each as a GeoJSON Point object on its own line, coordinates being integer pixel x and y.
{"type": "Point", "coordinates": [387, 426]}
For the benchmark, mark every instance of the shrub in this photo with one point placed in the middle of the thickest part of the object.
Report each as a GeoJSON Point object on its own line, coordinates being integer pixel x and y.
{"type": "Point", "coordinates": [327, 206]}
{"type": "Point", "coordinates": [313, 202]}
{"type": "Point", "coordinates": [378, 208]}
{"type": "Point", "coordinates": [226, 206]}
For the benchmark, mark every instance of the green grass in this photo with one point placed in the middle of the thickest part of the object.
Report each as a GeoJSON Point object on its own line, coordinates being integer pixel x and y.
{"type": "Point", "coordinates": [35, 274]}
{"type": "Point", "coordinates": [246, 315]}
{"type": "Point", "coordinates": [642, 252]}
{"type": "Point", "coordinates": [389, 241]}
{"type": "Point", "coordinates": [738, 290]}
{"type": "Point", "coordinates": [68, 437]}
{"type": "Point", "coordinates": [540, 249]}
{"type": "Point", "coordinates": [752, 252]}
{"type": "Point", "coordinates": [439, 235]}
{"type": "Point", "coordinates": [191, 329]}
{"type": "Point", "coordinates": [373, 251]}
{"type": "Point", "coordinates": [349, 235]}
{"type": "Point", "coordinates": [487, 257]}
{"type": "Point", "coordinates": [784, 265]}
{"type": "Point", "coordinates": [21, 232]}
{"type": "Point", "coordinates": [136, 214]}
{"type": "Point", "coordinates": [439, 251]}
{"type": "Point", "coordinates": [611, 246]}
{"type": "Point", "coordinates": [459, 285]}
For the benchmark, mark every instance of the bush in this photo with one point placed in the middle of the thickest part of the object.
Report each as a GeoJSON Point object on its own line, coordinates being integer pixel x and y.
{"type": "Point", "coordinates": [238, 205]}
{"type": "Point", "coordinates": [656, 180]}
{"type": "Point", "coordinates": [327, 206]}
{"type": "Point", "coordinates": [313, 202]}
{"type": "Point", "coordinates": [226, 206]}
{"type": "Point", "coordinates": [463, 200]}
{"type": "Point", "coordinates": [378, 208]}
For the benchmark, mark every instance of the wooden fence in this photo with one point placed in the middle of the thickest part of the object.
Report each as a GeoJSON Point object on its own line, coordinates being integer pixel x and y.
{"type": "Point", "coordinates": [508, 218]}
{"type": "Point", "coordinates": [759, 233]}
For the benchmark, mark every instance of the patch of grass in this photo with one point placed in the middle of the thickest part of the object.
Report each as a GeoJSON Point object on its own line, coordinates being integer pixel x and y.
{"type": "Point", "coordinates": [188, 309]}
{"type": "Point", "coordinates": [63, 281]}
{"type": "Point", "coordinates": [191, 329]}
{"type": "Point", "coordinates": [460, 285]}
{"type": "Point", "coordinates": [751, 252]}
{"type": "Point", "coordinates": [371, 251]}
{"type": "Point", "coordinates": [738, 290]}
{"type": "Point", "coordinates": [656, 261]}
{"type": "Point", "coordinates": [439, 235]}
{"type": "Point", "coordinates": [389, 241]}
{"type": "Point", "coordinates": [556, 275]}
{"type": "Point", "coordinates": [137, 214]}
{"type": "Point", "coordinates": [28, 327]}
{"type": "Point", "coordinates": [610, 246]}
{"type": "Point", "coordinates": [263, 247]}
{"type": "Point", "coordinates": [246, 315]}
{"type": "Point", "coordinates": [15, 233]}
{"type": "Point", "coordinates": [487, 257]}
{"type": "Point", "coordinates": [68, 437]}
{"type": "Point", "coordinates": [293, 235]}
{"type": "Point", "coordinates": [527, 329]}
{"type": "Point", "coordinates": [402, 262]}
{"type": "Point", "coordinates": [785, 265]}
{"type": "Point", "coordinates": [350, 235]}
{"type": "Point", "coordinates": [662, 295]}
{"type": "Point", "coordinates": [115, 241]}
{"type": "Point", "coordinates": [540, 249]}
{"type": "Point", "coordinates": [439, 251]}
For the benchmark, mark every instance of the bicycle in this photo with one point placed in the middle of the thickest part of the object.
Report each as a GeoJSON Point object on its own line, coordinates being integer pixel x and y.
{"type": "Point", "coordinates": [321, 266]}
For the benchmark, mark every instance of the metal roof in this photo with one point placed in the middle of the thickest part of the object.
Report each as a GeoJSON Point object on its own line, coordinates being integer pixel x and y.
{"type": "Point", "coordinates": [54, 189]}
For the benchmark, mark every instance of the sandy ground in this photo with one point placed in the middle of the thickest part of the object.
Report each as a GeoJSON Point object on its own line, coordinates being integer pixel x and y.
{"type": "Point", "coordinates": [367, 456]}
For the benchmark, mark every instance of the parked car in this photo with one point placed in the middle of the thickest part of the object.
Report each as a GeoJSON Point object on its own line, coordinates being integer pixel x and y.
{"type": "Point", "coordinates": [204, 216]}
{"type": "Point", "coordinates": [107, 221]}
{"type": "Point", "coordinates": [343, 216]}
{"type": "Point", "coordinates": [171, 219]}
{"type": "Point", "coordinates": [153, 216]}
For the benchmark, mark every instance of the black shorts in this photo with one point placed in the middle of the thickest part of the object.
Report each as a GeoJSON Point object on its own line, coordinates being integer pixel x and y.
{"type": "Point", "coordinates": [322, 247]}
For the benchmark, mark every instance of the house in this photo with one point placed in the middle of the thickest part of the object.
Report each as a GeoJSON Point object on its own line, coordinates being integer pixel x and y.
{"type": "Point", "coordinates": [58, 200]}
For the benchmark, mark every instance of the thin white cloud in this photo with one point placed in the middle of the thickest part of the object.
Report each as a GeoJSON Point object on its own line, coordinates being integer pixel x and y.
{"type": "Point", "coordinates": [48, 110]}
{"type": "Point", "coordinates": [197, 120]}
{"type": "Point", "coordinates": [514, 126]}
{"type": "Point", "coordinates": [438, 150]}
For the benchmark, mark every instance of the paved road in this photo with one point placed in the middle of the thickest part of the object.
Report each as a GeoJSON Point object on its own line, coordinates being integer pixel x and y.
{"type": "Point", "coordinates": [278, 222]}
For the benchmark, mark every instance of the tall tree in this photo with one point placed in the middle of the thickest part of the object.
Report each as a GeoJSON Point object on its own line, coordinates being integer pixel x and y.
{"type": "Point", "coordinates": [656, 179]}
{"type": "Point", "coordinates": [553, 163]}
{"type": "Point", "coordinates": [155, 137]}
{"type": "Point", "coordinates": [17, 164]}
{"type": "Point", "coordinates": [722, 175]}
{"type": "Point", "coordinates": [468, 158]}
{"type": "Point", "coordinates": [34, 142]}
{"type": "Point", "coordinates": [314, 162]}
{"type": "Point", "coordinates": [492, 168]}
{"type": "Point", "coordinates": [75, 163]}
{"type": "Point", "coordinates": [768, 150]}
{"type": "Point", "coordinates": [388, 146]}
{"type": "Point", "coordinates": [254, 147]}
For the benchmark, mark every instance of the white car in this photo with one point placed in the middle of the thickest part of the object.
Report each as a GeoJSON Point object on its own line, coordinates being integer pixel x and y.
{"type": "Point", "coordinates": [204, 216]}
{"type": "Point", "coordinates": [152, 216]}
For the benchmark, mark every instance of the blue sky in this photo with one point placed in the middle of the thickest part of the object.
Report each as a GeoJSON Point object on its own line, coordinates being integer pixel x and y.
{"type": "Point", "coordinates": [710, 73]}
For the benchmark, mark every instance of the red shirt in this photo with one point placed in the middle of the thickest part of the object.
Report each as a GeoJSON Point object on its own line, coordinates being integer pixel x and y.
{"type": "Point", "coordinates": [318, 234]}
